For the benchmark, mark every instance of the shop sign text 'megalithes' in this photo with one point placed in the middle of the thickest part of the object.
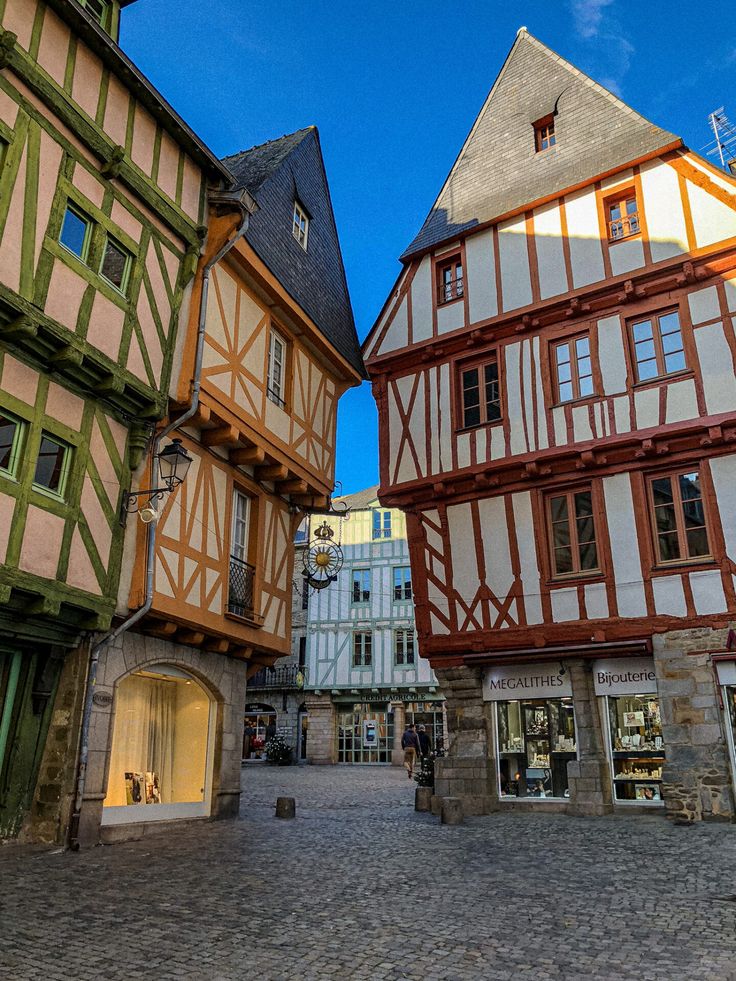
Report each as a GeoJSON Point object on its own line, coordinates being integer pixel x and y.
{"type": "Point", "coordinates": [511, 682]}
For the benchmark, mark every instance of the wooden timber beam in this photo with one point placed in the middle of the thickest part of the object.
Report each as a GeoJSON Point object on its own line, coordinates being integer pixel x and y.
{"type": "Point", "coordinates": [192, 637]}
{"type": "Point", "coordinates": [294, 486]}
{"type": "Point", "coordinates": [162, 628]}
{"type": "Point", "coordinates": [273, 471]}
{"type": "Point", "coordinates": [317, 501]}
{"type": "Point", "coordinates": [220, 436]}
{"type": "Point", "coordinates": [218, 645]}
{"type": "Point", "coordinates": [244, 653]}
{"type": "Point", "coordinates": [247, 455]}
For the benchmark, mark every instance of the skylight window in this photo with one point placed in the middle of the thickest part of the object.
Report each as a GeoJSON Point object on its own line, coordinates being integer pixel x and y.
{"type": "Point", "coordinates": [300, 227]}
{"type": "Point", "coordinates": [544, 133]}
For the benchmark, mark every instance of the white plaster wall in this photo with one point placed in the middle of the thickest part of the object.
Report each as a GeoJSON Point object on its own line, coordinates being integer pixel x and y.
{"type": "Point", "coordinates": [512, 356]}
{"type": "Point", "coordinates": [707, 589]}
{"type": "Point", "coordinates": [397, 336]}
{"type": "Point", "coordinates": [723, 474]}
{"type": "Point", "coordinates": [526, 543]}
{"type": "Point", "coordinates": [646, 402]}
{"type": "Point", "coordinates": [704, 305]}
{"type": "Point", "coordinates": [663, 209]}
{"type": "Point", "coordinates": [669, 596]}
{"type": "Point", "coordinates": [624, 545]}
{"type": "Point", "coordinates": [713, 221]}
{"type": "Point", "coordinates": [717, 369]}
{"type": "Point", "coordinates": [550, 254]}
{"type": "Point", "coordinates": [626, 255]}
{"type": "Point", "coordinates": [584, 236]}
{"type": "Point", "coordinates": [499, 574]}
{"type": "Point", "coordinates": [450, 316]}
{"type": "Point", "coordinates": [481, 276]}
{"type": "Point", "coordinates": [682, 402]}
{"type": "Point", "coordinates": [516, 284]}
{"type": "Point", "coordinates": [596, 601]}
{"type": "Point", "coordinates": [611, 355]}
{"type": "Point", "coordinates": [421, 301]}
{"type": "Point", "coordinates": [565, 604]}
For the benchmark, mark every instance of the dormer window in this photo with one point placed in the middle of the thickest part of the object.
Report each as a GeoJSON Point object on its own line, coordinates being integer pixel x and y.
{"type": "Point", "coordinates": [544, 133]}
{"type": "Point", "coordinates": [300, 228]}
{"type": "Point", "coordinates": [622, 215]}
{"type": "Point", "coordinates": [97, 9]}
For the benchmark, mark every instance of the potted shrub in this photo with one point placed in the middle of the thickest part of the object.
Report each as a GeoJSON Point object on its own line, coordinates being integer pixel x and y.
{"type": "Point", "coordinates": [278, 751]}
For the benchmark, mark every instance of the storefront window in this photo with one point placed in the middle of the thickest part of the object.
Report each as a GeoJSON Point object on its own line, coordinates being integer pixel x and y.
{"type": "Point", "coordinates": [637, 748]}
{"type": "Point", "coordinates": [160, 747]}
{"type": "Point", "coordinates": [259, 726]}
{"type": "Point", "coordinates": [365, 734]}
{"type": "Point", "coordinates": [536, 740]}
{"type": "Point", "coordinates": [429, 715]}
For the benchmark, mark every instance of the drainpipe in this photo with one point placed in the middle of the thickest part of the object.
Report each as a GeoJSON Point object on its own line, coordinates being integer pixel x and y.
{"type": "Point", "coordinates": [247, 206]}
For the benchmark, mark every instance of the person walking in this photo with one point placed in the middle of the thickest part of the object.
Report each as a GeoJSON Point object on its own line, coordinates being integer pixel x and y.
{"type": "Point", "coordinates": [410, 745]}
{"type": "Point", "coordinates": [425, 744]}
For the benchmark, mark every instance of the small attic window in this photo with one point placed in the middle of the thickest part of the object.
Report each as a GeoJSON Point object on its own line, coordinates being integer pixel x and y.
{"type": "Point", "coordinates": [544, 133]}
{"type": "Point", "coordinates": [97, 9]}
{"type": "Point", "coordinates": [300, 227]}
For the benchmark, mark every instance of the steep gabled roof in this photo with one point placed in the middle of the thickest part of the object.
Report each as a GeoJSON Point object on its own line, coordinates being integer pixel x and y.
{"type": "Point", "coordinates": [498, 170]}
{"type": "Point", "coordinates": [360, 500]}
{"type": "Point", "coordinates": [276, 173]}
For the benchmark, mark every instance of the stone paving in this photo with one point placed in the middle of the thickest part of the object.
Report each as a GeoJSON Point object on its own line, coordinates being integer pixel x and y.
{"type": "Point", "coordinates": [361, 887]}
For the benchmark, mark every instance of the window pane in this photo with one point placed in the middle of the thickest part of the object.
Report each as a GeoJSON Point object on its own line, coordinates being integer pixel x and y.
{"type": "Point", "coordinates": [583, 504]}
{"type": "Point", "coordinates": [563, 353]}
{"type": "Point", "coordinates": [665, 518]}
{"type": "Point", "coordinates": [644, 350]}
{"type": "Point", "coordinates": [642, 330]}
{"type": "Point", "coordinates": [588, 556]}
{"type": "Point", "coordinates": [689, 485]}
{"type": "Point", "coordinates": [561, 534]}
{"type": "Point", "coordinates": [586, 386]}
{"type": "Point", "coordinates": [566, 392]}
{"type": "Point", "coordinates": [50, 464]}
{"type": "Point", "coordinates": [615, 211]}
{"type": "Point", "coordinates": [586, 530]}
{"type": "Point", "coordinates": [675, 362]}
{"type": "Point", "coordinates": [631, 206]}
{"type": "Point", "coordinates": [471, 416]}
{"type": "Point", "coordinates": [114, 264]}
{"type": "Point", "coordinates": [558, 508]}
{"type": "Point", "coordinates": [582, 347]}
{"type": "Point", "coordinates": [647, 369]}
{"type": "Point", "coordinates": [671, 342]}
{"type": "Point", "coordinates": [563, 560]}
{"type": "Point", "coordinates": [8, 429]}
{"type": "Point", "coordinates": [584, 367]}
{"type": "Point", "coordinates": [74, 232]}
{"type": "Point", "coordinates": [669, 547]}
{"type": "Point", "coordinates": [564, 372]}
{"type": "Point", "coordinates": [493, 405]}
{"type": "Point", "coordinates": [669, 323]}
{"type": "Point", "coordinates": [693, 513]}
{"type": "Point", "coordinates": [470, 380]}
{"type": "Point", "coordinates": [697, 542]}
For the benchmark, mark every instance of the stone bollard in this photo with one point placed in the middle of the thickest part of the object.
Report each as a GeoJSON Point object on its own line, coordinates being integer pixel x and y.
{"type": "Point", "coordinates": [452, 811]}
{"type": "Point", "coordinates": [435, 805]}
{"type": "Point", "coordinates": [422, 799]}
{"type": "Point", "coordinates": [285, 807]}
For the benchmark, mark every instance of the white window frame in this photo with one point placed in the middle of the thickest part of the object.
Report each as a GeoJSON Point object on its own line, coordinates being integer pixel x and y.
{"type": "Point", "coordinates": [300, 225]}
{"type": "Point", "coordinates": [404, 639]}
{"type": "Point", "coordinates": [361, 576]}
{"type": "Point", "coordinates": [276, 390]}
{"type": "Point", "coordinates": [400, 571]}
{"type": "Point", "coordinates": [240, 526]}
{"type": "Point", "coordinates": [382, 525]}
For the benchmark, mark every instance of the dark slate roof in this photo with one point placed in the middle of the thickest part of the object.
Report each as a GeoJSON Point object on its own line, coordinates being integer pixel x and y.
{"type": "Point", "coordinates": [360, 500]}
{"type": "Point", "coordinates": [498, 170]}
{"type": "Point", "coordinates": [276, 173]}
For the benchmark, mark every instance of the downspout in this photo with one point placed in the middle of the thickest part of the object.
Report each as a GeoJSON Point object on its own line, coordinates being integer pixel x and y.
{"type": "Point", "coordinates": [247, 206]}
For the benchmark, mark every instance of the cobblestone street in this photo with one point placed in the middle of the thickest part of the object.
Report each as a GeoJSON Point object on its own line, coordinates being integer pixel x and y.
{"type": "Point", "coordinates": [359, 886]}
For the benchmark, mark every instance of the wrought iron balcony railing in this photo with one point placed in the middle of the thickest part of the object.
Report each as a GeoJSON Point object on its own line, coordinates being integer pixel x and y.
{"type": "Point", "coordinates": [240, 591]}
{"type": "Point", "coordinates": [283, 676]}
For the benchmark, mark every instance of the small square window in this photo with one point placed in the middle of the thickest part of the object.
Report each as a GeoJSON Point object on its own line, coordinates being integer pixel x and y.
{"type": "Point", "coordinates": [52, 465]}
{"type": "Point", "coordinates": [97, 9]}
{"type": "Point", "coordinates": [544, 133]}
{"type": "Point", "coordinates": [115, 266]}
{"type": "Point", "coordinates": [622, 216]}
{"type": "Point", "coordinates": [300, 227]}
{"type": "Point", "coordinates": [450, 281]}
{"type": "Point", "coordinates": [75, 232]}
{"type": "Point", "coordinates": [11, 433]}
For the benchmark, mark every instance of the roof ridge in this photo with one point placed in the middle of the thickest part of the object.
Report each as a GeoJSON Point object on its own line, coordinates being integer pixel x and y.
{"type": "Point", "coordinates": [277, 139]}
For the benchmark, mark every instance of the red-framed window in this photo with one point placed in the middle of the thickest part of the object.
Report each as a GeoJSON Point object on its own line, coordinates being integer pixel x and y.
{"type": "Point", "coordinates": [480, 393]}
{"type": "Point", "coordinates": [622, 215]}
{"type": "Point", "coordinates": [678, 517]}
{"type": "Point", "coordinates": [657, 345]}
{"type": "Point", "coordinates": [544, 133]}
{"type": "Point", "coordinates": [450, 281]}
{"type": "Point", "coordinates": [573, 368]}
{"type": "Point", "coordinates": [572, 533]}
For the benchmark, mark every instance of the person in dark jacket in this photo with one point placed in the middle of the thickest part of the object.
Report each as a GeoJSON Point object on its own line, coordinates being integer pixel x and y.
{"type": "Point", "coordinates": [410, 745]}
{"type": "Point", "coordinates": [425, 744]}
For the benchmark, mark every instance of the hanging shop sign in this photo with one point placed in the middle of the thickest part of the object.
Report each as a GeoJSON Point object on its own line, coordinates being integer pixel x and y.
{"type": "Point", "coordinates": [726, 672]}
{"type": "Point", "coordinates": [509, 682]}
{"type": "Point", "coordinates": [625, 676]}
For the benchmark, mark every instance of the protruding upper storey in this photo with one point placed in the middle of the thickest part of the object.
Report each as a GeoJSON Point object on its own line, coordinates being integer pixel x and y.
{"type": "Point", "coordinates": [503, 166]}
{"type": "Point", "coordinates": [294, 232]}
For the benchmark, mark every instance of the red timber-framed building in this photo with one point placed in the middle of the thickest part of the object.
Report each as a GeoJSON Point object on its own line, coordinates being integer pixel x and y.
{"type": "Point", "coordinates": [556, 385]}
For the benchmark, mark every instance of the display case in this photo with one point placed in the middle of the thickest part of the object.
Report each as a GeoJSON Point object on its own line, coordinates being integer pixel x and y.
{"type": "Point", "coordinates": [637, 749]}
{"type": "Point", "coordinates": [536, 740]}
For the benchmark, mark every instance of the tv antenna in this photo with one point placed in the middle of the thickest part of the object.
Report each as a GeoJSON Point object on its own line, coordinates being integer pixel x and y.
{"type": "Point", "coordinates": [723, 144]}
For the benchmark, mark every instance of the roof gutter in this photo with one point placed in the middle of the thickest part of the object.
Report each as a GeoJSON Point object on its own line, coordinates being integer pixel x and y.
{"type": "Point", "coordinates": [243, 202]}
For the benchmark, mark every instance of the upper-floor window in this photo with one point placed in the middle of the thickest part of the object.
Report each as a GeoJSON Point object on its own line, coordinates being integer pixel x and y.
{"type": "Point", "coordinates": [11, 436]}
{"type": "Point", "coordinates": [402, 583]}
{"type": "Point", "coordinates": [657, 345]}
{"type": "Point", "coordinates": [381, 524]}
{"type": "Point", "coordinates": [115, 265]}
{"type": "Point", "coordinates": [97, 9]}
{"type": "Point", "coordinates": [622, 215]}
{"type": "Point", "coordinates": [573, 368]}
{"type": "Point", "coordinates": [680, 528]}
{"type": "Point", "coordinates": [302, 652]}
{"type": "Point", "coordinates": [361, 585]}
{"type": "Point", "coordinates": [572, 533]}
{"type": "Point", "coordinates": [242, 575]}
{"type": "Point", "coordinates": [76, 231]}
{"type": "Point", "coordinates": [404, 648]}
{"type": "Point", "coordinates": [480, 393]}
{"type": "Point", "coordinates": [52, 465]}
{"type": "Point", "coordinates": [362, 649]}
{"type": "Point", "coordinates": [450, 284]}
{"type": "Point", "coordinates": [544, 133]}
{"type": "Point", "coordinates": [305, 594]}
{"type": "Point", "coordinates": [276, 385]}
{"type": "Point", "coordinates": [300, 226]}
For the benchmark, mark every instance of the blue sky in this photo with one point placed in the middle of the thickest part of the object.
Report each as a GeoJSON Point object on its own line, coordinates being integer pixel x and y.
{"type": "Point", "coordinates": [394, 87]}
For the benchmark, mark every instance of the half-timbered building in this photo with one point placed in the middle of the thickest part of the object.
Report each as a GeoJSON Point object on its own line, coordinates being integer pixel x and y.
{"type": "Point", "coordinates": [102, 197]}
{"type": "Point", "coordinates": [365, 679]}
{"type": "Point", "coordinates": [269, 348]}
{"type": "Point", "coordinates": [554, 373]}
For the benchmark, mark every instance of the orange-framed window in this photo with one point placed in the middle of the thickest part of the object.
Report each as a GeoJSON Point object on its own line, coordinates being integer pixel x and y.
{"type": "Point", "coordinates": [572, 532]}
{"type": "Point", "coordinates": [450, 282]}
{"type": "Point", "coordinates": [480, 393]}
{"type": "Point", "coordinates": [573, 368]}
{"type": "Point", "coordinates": [657, 346]}
{"type": "Point", "coordinates": [544, 133]}
{"type": "Point", "coordinates": [622, 215]}
{"type": "Point", "coordinates": [678, 517]}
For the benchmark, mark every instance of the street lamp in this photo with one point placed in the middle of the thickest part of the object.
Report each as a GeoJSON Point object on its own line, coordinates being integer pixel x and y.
{"type": "Point", "coordinates": [173, 466]}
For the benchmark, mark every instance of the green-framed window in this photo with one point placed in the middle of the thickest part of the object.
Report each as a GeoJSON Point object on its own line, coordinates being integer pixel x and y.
{"type": "Point", "coordinates": [404, 648]}
{"type": "Point", "coordinates": [362, 649]}
{"type": "Point", "coordinates": [361, 585]}
{"type": "Point", "coordinates": [11, 438]}
{"type": "Point", "coordinates": [52, 466]}
{"type": "Point", "coordinates": [76, 232]}
{"type": "Point", "coordinates": [402, 583]}
{"type": "Point", "coordinates": [115, 265]}
{"type": "Point", "coordinates": [98, 10]}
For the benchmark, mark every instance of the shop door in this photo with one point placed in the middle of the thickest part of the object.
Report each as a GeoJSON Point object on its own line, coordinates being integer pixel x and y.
{"type": "Point", "coordinates": [302, 732]}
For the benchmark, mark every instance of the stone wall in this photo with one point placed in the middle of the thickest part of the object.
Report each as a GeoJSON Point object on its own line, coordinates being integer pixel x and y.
{"type": "Point", "coordinates": [321, 741]}
{"type": "Point", "coordinates": [697, 774]}
{"type": "Point", "coordinates": [589, 776]}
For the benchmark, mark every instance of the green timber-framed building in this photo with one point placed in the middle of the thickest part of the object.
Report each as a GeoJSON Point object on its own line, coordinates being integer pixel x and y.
{"type": "Point", "coordinates": [103, 206]}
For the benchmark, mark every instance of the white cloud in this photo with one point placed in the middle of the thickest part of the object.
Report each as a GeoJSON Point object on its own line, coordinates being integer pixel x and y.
{"type": "Point", "coordinates": [588, 16]}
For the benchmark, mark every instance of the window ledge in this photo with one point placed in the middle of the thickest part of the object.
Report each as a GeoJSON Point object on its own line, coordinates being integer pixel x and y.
{"type": "Point", "coordinates": [707, 562]}
{"type": "Point", "coordinates": [674, 376]}
{"type": "Point", "coordinates": [448, 303]}
{"type": "Point", "coordinates": [595, 575]}
{"type": "Point", "coordinates": [583, 400]}
{"type": "Point", "coordinates": [624, 238]}
{"type": "Point", "coordinates": [254, 620]}
{"type": "Point", "coordinates": [481, 425]}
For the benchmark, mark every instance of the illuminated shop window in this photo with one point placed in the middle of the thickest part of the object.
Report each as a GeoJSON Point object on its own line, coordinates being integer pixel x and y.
{"type": "Point", "coordinates": [536, 741]}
